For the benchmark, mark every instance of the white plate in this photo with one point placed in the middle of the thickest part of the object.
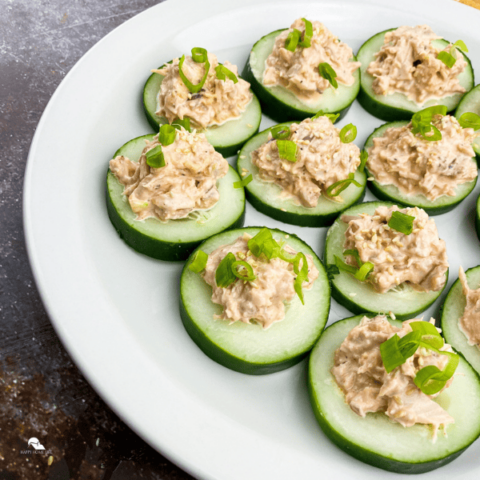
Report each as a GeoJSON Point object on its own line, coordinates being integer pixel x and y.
{"type": "Point", "coordinates": [117, 311]}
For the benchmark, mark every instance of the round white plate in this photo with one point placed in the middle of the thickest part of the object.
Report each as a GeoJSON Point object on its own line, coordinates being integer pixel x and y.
{"type": "Point", "coordinates": [116, 311]}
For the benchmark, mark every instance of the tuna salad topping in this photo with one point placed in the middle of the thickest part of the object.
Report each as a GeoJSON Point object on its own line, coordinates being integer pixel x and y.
{"type": "Point", "coordinates": [322, 159]}
{"type": "Point", "coordinates": [417, 166]}
{"type": "Point", "coordinates": [218, 101]}
{"type": "Point", "coordinates": [272, 282]}
{"type": "Point", "coordinates": [187, 182]}
{"type": "Point", "coordinates": [408, 63]}
{"type": "Point", "coordinates": [298, 71]}
{"type": "Point", "coordinates": [360, 372]}
{"type": "Point", "coordinates": [418, 259]}
{"type": "Point", "coordinates": [469, 323]}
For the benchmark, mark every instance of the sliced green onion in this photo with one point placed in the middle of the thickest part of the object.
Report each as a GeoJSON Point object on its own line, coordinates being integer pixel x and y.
{"type": "Point", "coordinates": [421, 122]}
{"type": "Point", "coordinates": [348, 133]}
{"type": "Point", "coordinates": [243, 271]}
{"type": "Point", "coordinates": [391, 355]}
{"type": "Point", "coordinates": [364, 271]}
{"type": "Point", "coordinates": [354, 253]}
{"type": "Point", "coordinates": [287, 150]}
{"type": "Point", "coordinates": [331, 116]}
{"type": "Point", "coordinates": [191, 87]}
{"type": "Point", "coordinates": [447, 58]}
{"type": "Point", "coordinates": [363, 160]}
{"type": "Point", "coordinates": [460, 44]}
{"type": "Point", "coordinates": [341, 265]}
{"type": "Point", "coordinates": [292, 40]}
{"type": "Point", "coordinates": [430, 380]}
{"type": "Point", "coordinates": [429, 334]}
{"type": "Point", "coordinates": [155, 157]}
{"type": "Point", "coordinates": [470, 120]}
{"type": "Point", "coordinates": [302, 275]}
{"type": "Point", "coordinates": [244, 182]}
{"type": "Point", "coordinates": [307, 36]}
{"type": "Point", "coordinates": [167, 134]}
{"type": "Point", "coordinates": [338, 187]}
{"type": "Point", "coordinates": [199, 55]}
{"type": "Point", "coordinates": [199, 262]}
{"type": "Point", "coordinates": [328, 73]}
{"type": "Point", "coordinates": [224, 274]}
{"type": "Point", "coordinates": [223, 72]}
{"type": "Point", "coordinates": [280, 132]}
{"type": "Point", "coordinates": [185, 123]}
{"type": "Point", "coordinates": [261, 243]}
{"type": "Point", "coordinates": [435, 136]}
{"type": "Point", "coordinates": [401, 222]}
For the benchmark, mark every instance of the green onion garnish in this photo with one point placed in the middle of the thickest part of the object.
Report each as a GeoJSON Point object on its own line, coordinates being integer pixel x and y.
{"type": "Point", "coordinates": [341, 265]}
{"type": "Point", "coordinates": [447, 58]}
{"type": "Point", "coordinates": [196, 57]}
{"type": "Point", "coordinates": [223, 72]}
{"type": "Point", "coordinates": [243, 271]}
{"type": "Point", "coordinates": [328, 73]}
{"type": "Point", "coordinates": [401, 222]}
{"type": "Point", "coordinates": [292, 40]}
{"type": "Point", "coordinates": [167, 134]}
{"type": "Point", "coordinates": [354, 253]}
{"type": "Point", "coordinates": [287, 150]}
{"type": "Point", "coordinates": [224, 275]}
{"type": "Point", "coordinates": [430, 380]}
{"type": "Point", "coordinates": [348, 133]}
{"type": "Point", "coordinates": [199, 55]}
{"type": "Point", "coordinates": [307, 36]}
{"type": "Point", "coordinates": [470, 120]}
{"type": "Point", "coordinates": [364, 270]}
{"type": "Point", "coordinates": [363, 160]}
{"type": "Point", "coordinates": [331, 116]}
{"type": "Point", "coordinates": [460, 44]}
{"type": "Point", "coordinates": [185, 123]}
{"type": "Point", "coordinates": [280, 132]}
{"type": "Point", "coordinates": [338, 187]}
{"type": "Point", "coordinates": [244, 182]}
{"type": "Point", "coordinates": [302, 275]}
{"type": "Point", "coordinates": [199, 262]}
{"type": "Point", "coordinates": [422, 122]}
{"type": "Point", "coordinates": [155, 158]}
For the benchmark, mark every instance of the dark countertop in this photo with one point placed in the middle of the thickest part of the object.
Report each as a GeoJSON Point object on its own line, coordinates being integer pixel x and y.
{"type": "Point", "coordinates": [43, 394]}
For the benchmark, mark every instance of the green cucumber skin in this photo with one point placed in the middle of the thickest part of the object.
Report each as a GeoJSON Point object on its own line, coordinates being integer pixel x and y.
{"type": "Point", "coordinates": [477, 218]}
{"type": "Point", "coordinates": [386, 112]}
{"type": "Point", "coordinates": [153, 247]}
{"type": "Point", "coordinates": [271, 106]}
{"type": "Point", "coordinates": [465, 98]}
{"type": "Point", "coordinates": [363, 454]}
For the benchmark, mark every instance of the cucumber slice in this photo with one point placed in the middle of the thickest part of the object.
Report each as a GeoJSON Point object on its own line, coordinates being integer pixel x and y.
{"type": "Point", "coordinates": [452, 311]}
{"type": "Point", "coordinates": [397, 106]}
{"type": "Point", "coordinates": [265, 196]}
{"type": "Point", "coordinates": [377, 440]}
{"type": "Point", "coordinates": [477, 218]}
{"type": "Point", "coordinates": [281, 104]}
{"type": "Point", "coordinates": [227, 138]}
{"type": "Point", "coordinates": [360, 297]}
{"type": "Point", "coordinates": [249, 348]}
{"type": "Point", "coordinates": [175, 239]}
{"type": "Point", "coordinates": [391, 193]}
{"type": "Point", "coordinates": [470, 102]}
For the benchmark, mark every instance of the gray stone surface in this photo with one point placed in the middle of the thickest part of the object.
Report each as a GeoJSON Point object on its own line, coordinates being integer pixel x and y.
{"type": "Point", "coordinates": [40, 41]}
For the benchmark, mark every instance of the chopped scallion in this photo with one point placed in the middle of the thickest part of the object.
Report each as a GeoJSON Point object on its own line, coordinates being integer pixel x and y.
{"type": "Point", "coordinates": [167, 134]}
{"type": "Point", "coordinates": [401, 222]}
{"type": "Point", "coordinates": [307, 36]}
{"type": "Point", "coordinates": [244, 182]}
{"type": "Point", "coordinates": [280, 132]}
{"type": "Point", "coordinates": [338, 187]}
{"type": "Point", "coordinates": [470, 120]}
{"type": "Point", "coordinates": [224, 275]}
{"type": "Point", "coordinates": [191, 87]}
{"type": "Point", "coordinates": [292, 40]}
{"type": "Point", "coordinates": [199, 262]}
{"type": "Point", "coordinates": [243, 271]}
{"type": "Point", "coordinates": [328, 73]}
{"type": "Point", "coordinates": [287, 150]}
{"type": "Point", "coordinates": [363, 160]}
{"type": "Point", "coordinates": [185, 123]}
{"type": "Point", "coordinates": [348, 133]}
{"type": "Point", "coordinates": [155, 157]}
{"type": "Point", "coordinates": [223, 73]}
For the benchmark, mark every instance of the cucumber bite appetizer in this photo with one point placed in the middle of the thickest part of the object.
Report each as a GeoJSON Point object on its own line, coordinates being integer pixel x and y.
{"type": "Point", "coordinates": [254, 300]}
{"type": "Point", "coordinates": [303, 173]}
{"type": "Point", "coordinates": [210, 94]}
{"type": "Point", "coordinates": [298, 71]}
{"type": "Point", "coordinates": [168, 192]}
{"type": "Point", "coordinates": [406, 69]}
{"type": "Point", "coordinates": [394, 395]}
{"type": "Point", "coordinates": [384, 259]}
{"type": "Point", "coordinates": [427, 163]}
{"type": "Point", "coordinates": [461, 316]}
{"type": "Point", "coordinates": [468, 114]}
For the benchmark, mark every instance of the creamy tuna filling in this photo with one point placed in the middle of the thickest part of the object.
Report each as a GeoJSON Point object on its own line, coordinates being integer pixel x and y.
{"type": "Point", "coordinates": [359, 371]}
{"type": "Point", "coordinates": [407, 63]}
{"type": "Point", "coordinates": [469, 323]}
{"type": "Point", "coordinates": [217, 102]}
{"type": "Point", "coordinates": [322, 160]}
{"type": "Point", "coordinates": [420, 167]}
{"type": "Point", "coordinates": [298, 71]}
{"type": "Point", "coordinates": [262, 300]}
{"type": "Point", "coordinates": [418, 259]}
{"type": "Point", "coordinates": [187, 182]}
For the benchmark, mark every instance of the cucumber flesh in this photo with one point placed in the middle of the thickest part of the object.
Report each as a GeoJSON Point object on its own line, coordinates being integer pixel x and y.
{"type": "Point", "coordinates": [359, 297]}
{"type": "Point", "coordinates": [470, 102]}
{"type": "Point", "coordinates": [452, 311]}
{"type": "Point", "coordinates": [397, 106]}
{"type": "Point", "coordinates": [392, 193]}
{"type": "Point", "coordinates": [227, 138]}
{"type": "Point", "coordinates": [175, 239]}
{"type": "Point", "coordinates": [477, 217]}
{"type": "Point", "coordinates": [249, 348]}
{"type": "Point", "coordinates": [377, 440]}
{"type": "Point", "coordinates": [281, 104]}
{"type": "Point", "coordinates": [265, 196]}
